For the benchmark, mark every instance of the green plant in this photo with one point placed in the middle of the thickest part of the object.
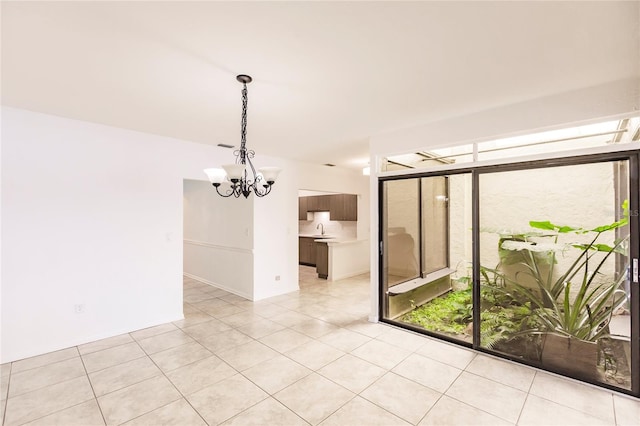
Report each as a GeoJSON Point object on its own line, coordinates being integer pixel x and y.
{"type": "Point", "coordinates": [583, 313]}
{"type": "Point", "coordinates": [449, 313]}
{"type": "Point", "coordinates": [452, 314]}
{"type": "Point", "coordinates": [499, 323]}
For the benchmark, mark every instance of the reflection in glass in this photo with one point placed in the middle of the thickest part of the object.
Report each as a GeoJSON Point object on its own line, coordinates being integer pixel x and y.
{"type": "Point", "coordinates": [427, 261]}
{"type": "Point", "coordinates": [402, 231]}
{"type": "Point", "coordinates": [435, 224]}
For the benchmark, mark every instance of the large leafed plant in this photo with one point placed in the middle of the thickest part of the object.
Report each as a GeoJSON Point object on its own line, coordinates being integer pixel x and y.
{"type": "Point", "coordinates": [578, 302]}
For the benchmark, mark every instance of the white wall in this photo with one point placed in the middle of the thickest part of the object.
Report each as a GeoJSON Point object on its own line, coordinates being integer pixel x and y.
{"type": "Point", "coordinates": [561, 110]}
{"type": "Point", "coordinates": [348, 259]}
{"type": "Point", "coordinates": [92, 215]}
{"type": "Point", "coordinates": [275, 224]}
{"type": "Point", "coordinates": [544, 113]}
{"type": "Point", "coordinates": [218, 238]}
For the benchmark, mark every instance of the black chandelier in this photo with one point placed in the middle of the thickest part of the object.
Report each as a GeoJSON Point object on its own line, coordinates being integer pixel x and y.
{"type": "Point", "coordinates": [237, 176]}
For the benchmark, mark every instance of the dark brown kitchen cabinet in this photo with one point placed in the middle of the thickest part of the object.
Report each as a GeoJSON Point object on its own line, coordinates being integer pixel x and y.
{"type": "Point", "coordinates": [319, 203]}
{"type": "Point", "coordinates": [303, 202]}
{"type": "Point", "coordinates": [322, 260]}
{"type": "Point", "coordinates": [340, 206]}
{"type": "Point", "coordinates": [344, 207]}
{"type": "Point", "coordinates": [311, 204]}
{"type": "Point", "coordinates": [307, 251]}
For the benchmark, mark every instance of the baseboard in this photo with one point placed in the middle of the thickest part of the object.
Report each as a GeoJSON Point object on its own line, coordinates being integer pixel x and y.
{"type": "Point", "coordinates": [216, 285]}
{"type": "Point", "coordinates": [70, 343]}
{"type": "Point", "coordinates": [350, 274]}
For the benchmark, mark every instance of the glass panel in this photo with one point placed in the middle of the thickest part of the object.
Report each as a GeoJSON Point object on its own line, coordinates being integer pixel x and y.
{"type": "Point", "coordinates": [402, 231]}
{"type": "Point", "coordinates": [443, 157]}
{"type": "Point", "coordinates": [441, 299]}
{"type": "Point", "coordinates": [554, 261]}
{"type": "Point", "coordinates": [615, 132]}
{"type": "Point", "coordinates": [592, 135]}
{"type": "Point", "coordinates": [435, 224]}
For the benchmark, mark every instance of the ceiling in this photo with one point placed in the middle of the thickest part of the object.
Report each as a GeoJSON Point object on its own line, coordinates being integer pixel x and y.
{"type": "Point", "coordinates": [327, 75]}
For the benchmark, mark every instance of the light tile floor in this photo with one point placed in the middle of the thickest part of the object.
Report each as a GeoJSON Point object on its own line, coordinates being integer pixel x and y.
{"type": "Point", "coordinates": [308, 357]}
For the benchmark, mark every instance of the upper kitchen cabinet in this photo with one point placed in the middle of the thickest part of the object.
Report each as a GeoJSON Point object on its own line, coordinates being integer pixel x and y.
{"type": "Point", "coordinates": [344, 207]}
{"type": "Point", "coordinates": [319, 203]}
{"type": "Point", "coordinates": [303, 203]}
{"type": "Point", "coordinates": [340, 206]}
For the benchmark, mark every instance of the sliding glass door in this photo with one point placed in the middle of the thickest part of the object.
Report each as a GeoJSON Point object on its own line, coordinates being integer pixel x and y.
{"type": "Point", "coordinates": [555, 255]}
{"type": "Point", "coordinates": [535, 262]}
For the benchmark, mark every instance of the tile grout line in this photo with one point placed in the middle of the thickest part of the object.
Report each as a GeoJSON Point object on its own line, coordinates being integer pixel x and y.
{"type": "Point", "coordinates": [383, 408]}
{"type": "Point", "coordinates": [442, 395]}
{"type": "Point", "coordinates": [430, 408]}
{"type": "Point", "coordinates": [171, 402]}
{"type": "Point", "coordinates": [153, 335]}
{"type": "Point", "coordinates": [43, 365]}
{"type": "Point", "coordinates": [224, 362]}
{"type": "Point", "coordinates": [451, 384]}
{"type": "Point", "coordinates": [129, 385]}
{"type": "Point", "coordinates": [63, 381]}
{"type": "Point", "coordinates": [6, 402]}
{"type": "Point", "coordinates": [495, 381]}
{"type": "Point", "coordinates": [480, 409]}
{"type": "Point", "coordinates": [238, 372]}
{"type": "Point", "coordinates": [287, 327]}
{"type": "Point", "coordinates": [576, 383]}
{"type": "Point", "coordinates": [355, 394]}
{"type": "Point", "coordinates": [469, 405]}
{"type": "Point", "coordinates": [110, 347]}
{"type": "Point", "coordinates": [269, 395]}
{"type": "Point", "coordinates": [312, 371]}
{"type": "Point", "coordinates": [95, 397]}
{"type": "Point", "coordinates": [50, 384]}
{"type": "Point", "coordinates": [526, 398]}
{"type": "Point", "coordinates": [414, 351]}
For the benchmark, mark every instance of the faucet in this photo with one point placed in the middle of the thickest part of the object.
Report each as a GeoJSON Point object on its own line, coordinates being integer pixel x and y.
{"type": "Point", "coordinates": [321, 226]}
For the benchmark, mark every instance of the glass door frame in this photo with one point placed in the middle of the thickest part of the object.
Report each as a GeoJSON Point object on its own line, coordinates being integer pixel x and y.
{"type": "Point", "coordinates": [632, 156]}
{"type": "Point", "coordinates": [382, 300]}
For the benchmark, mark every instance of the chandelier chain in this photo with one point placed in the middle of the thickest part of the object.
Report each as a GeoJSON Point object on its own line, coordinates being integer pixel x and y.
{"type": "Point", "coordinates": [243, 124]}
{"type": "Point", "coordinates": [248, 180]}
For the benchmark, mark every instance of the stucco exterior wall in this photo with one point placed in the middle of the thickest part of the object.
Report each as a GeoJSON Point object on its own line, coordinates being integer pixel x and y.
{"type": "Point", "coordinates": [579, 196]}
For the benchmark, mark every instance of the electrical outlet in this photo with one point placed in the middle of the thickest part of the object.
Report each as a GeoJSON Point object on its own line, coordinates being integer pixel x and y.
{"type": "Point", "coordinates": [79, 309]}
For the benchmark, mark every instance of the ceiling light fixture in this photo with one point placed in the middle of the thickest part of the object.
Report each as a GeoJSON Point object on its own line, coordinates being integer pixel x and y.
{"type": "Point", "coordinates": [243, 180]}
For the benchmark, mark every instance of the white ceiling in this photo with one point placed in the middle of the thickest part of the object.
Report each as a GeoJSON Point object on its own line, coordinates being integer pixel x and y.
{"type": "Point", "coordinates": [327, 75]}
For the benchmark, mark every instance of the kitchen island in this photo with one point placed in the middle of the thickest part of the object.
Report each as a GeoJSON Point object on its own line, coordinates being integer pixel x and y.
{"type": "Point", "coordinates": [335, 258]}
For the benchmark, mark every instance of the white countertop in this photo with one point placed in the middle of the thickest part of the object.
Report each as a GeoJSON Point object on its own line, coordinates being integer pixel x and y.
{"type": "Point", "coordinates": [329, 239]}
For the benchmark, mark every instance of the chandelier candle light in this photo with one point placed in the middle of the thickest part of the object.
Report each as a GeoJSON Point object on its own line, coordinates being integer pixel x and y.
{"type": "Point", "coordinates": [237, 175]}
